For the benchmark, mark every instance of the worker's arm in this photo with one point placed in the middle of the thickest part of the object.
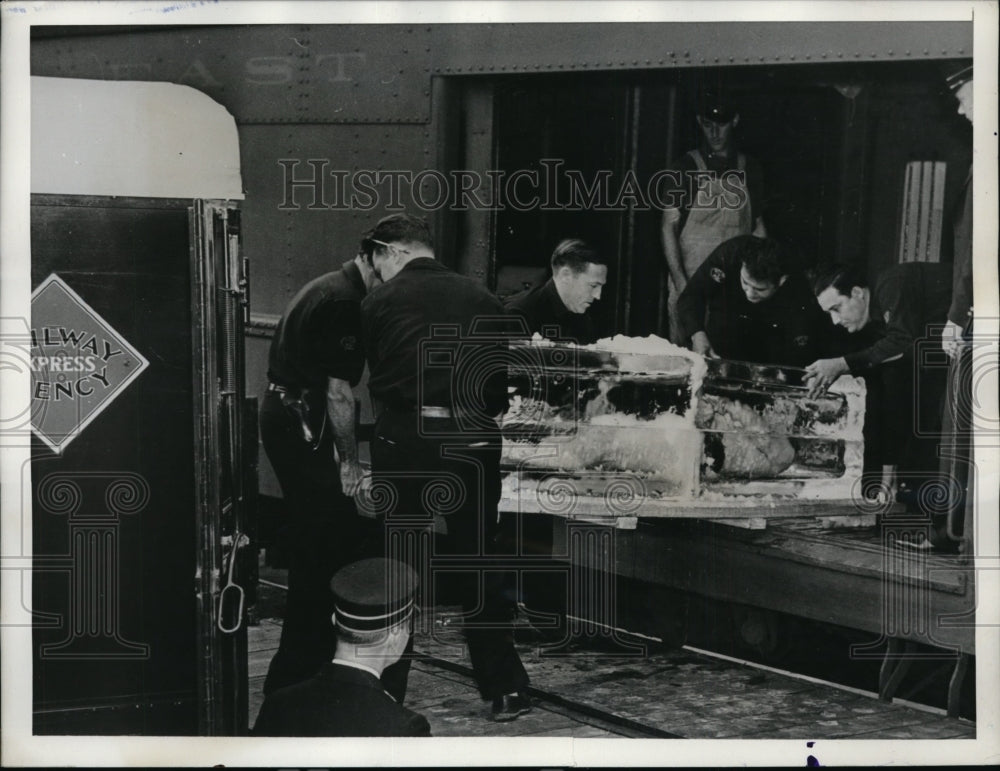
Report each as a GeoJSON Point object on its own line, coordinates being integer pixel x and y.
{"type": "Point", "coordinates": [340, 403]}
{"type": "Point", "coordinates": [692, 305]}
{"type": "Point", "coordinates": [672, 248]}
{"type": "Point", "coordinates": [341, 355]}
{"type": "Point", "coordinates": [961, 305]}
{"type": "Point", "coordinates": [822, 372]}
{"type": "Point", "coordinates": [902, 325]}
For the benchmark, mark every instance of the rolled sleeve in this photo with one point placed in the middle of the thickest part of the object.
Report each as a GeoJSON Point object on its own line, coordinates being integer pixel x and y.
{"type": "Point", "coordinates": [338, 340]}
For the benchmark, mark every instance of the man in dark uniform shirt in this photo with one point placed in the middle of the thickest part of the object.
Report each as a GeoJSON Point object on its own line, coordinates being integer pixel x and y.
{"type": "Point", "coordinates": [960, 311]}
{"type": "Point", "coordinates": [956, 454]}
{"type": "Point", "coordinates": [307, 420]}
{"type": "Point", "coordinates": [558, 309]}
{"type": "Point", "coordinates": [373, 613]}
{"type": "Point", "coordinates": [438, 383]}
{"type": "Point", "coordinates": [906, 307]}
{"type": "Point", "coordinates": [745, 302]}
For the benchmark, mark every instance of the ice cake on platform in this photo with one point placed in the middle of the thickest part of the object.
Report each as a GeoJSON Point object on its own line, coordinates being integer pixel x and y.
{"type": "Point", "coordinates": [643, 427]}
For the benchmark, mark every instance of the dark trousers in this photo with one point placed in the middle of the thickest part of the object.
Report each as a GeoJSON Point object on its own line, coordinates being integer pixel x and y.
{"type": "Point", "coordinates": [322, 532]}
{"type": "Point", "coordinates": [903, 419]}
{"type": "Point", "coordinates": [956, 445]}
{"type": "Point", "coordinates": [418, 474]}
{"type": "Point", "coordinates": [908, 422]}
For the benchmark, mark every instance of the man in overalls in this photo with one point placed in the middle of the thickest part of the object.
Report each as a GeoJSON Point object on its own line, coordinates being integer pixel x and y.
{"type": "Point", "coordinates": [715, 194]}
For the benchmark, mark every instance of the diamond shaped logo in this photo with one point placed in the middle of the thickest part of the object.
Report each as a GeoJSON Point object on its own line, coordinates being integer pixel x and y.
{"type": "Point", "coordinates": [79, 363]}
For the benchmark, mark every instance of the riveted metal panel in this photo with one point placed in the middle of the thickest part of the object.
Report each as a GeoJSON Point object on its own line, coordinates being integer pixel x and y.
{"type": "Point", "coordinates": [267, 74]}
{"type": "Point", "coordinates": [293, 233]}
{"type": "Point", "coordinates": [525, 48]}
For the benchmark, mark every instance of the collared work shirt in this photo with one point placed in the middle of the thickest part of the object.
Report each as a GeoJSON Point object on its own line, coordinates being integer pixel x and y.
{"type": "Point", "coordinates": [544, 312]}
{"type": "Point", "coordinates": [787, 328]}
{"type": "Point", "coordinates": [435, 338]}
{"type": "Point", "coordinates": [909, 303]}
{"type": "Point", "coordinates": [319, 335]}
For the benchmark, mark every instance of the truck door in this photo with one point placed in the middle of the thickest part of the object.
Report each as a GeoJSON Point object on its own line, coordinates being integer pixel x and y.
{"type": "Point", "coordinates": [224, 483]}
{"type": "Point", "coordinates": [140, 486]}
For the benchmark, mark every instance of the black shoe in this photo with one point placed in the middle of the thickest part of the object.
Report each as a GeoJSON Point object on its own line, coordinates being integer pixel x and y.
{"type": "Point", "coordinates": [510, 707]}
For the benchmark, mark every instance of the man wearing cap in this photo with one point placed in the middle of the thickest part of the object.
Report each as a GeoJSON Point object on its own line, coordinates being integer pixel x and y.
{"type": "Point", "coordinates": [438, 380]}
{"type": "Point", "coordinates": [715, 194]}
{"type": "Point", "coordinates": [747, 302]}
{"type": "Point", "coordinates": [373, 614]}
{"type": "Point", "coordinates": [960, 311]}
{"type": "Point", "coordinates": [307, 419]}
{"type": "Point", "coordinates": [956, 428]}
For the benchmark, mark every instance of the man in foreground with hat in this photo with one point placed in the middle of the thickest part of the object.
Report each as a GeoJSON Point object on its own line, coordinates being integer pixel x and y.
{"type": "Point", "coordinates": [373, 615]}
{"type": "Point", "coordinates": [716, 195]}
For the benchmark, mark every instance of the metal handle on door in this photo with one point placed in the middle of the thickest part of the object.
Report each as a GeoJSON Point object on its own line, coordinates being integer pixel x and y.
{"type": "Point", "coordinates": [239, 540]}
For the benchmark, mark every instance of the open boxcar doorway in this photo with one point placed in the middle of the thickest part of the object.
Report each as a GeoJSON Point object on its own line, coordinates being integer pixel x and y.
{"type": "Point", "coordinates": [828, 138]}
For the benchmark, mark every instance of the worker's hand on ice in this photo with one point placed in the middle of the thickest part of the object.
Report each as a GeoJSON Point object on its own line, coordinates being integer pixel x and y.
{"type": "Point", "coordinates": [951, 339]}
{"type": "Point", "coordinates": [701, 344]}
{"type": "Point", "coordinates": [351, 477]}
{"type": "Point", "coordinates": [821, 373]}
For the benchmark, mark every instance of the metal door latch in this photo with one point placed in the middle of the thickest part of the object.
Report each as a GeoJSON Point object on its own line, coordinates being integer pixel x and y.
{"type": "Point", "coordinates": [232, 589]}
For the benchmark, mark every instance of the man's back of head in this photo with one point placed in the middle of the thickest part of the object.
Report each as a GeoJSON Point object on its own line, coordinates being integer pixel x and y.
{"type": "Point", "coordinates": [394, 242]}
{"type": "Point", "coordinates": [402, 229]}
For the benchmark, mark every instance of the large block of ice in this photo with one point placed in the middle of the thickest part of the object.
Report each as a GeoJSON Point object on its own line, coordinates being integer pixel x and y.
{"type": "Point", "coordinates": [685, 428]}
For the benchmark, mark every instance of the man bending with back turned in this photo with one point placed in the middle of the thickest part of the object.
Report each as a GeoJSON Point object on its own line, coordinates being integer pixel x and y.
{"type": "Point", "coordinates": [438, 386]}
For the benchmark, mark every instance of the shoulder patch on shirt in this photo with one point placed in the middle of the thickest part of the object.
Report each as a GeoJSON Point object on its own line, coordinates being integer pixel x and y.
{"type": "Point", "coordinates": [718, 275]}
{"type": "Point", "coordinates": [802, 340]}
{"type": "Point", "coordinates": [349, 342]}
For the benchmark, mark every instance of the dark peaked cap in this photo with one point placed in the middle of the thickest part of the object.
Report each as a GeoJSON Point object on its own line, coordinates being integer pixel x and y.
{"type": "Point", "coordinates": [716, 105]}
{"type": "Point", "coordinates": [959, 77]}
{"type": "Point", "coordinates": [373, 594]}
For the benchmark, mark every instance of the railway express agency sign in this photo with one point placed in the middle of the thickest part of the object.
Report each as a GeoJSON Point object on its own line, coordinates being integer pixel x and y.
{"type": "Point", "coordinates": [79, 363]}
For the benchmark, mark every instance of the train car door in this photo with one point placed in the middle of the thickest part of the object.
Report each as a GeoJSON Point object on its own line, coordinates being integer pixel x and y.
{"type": "Point", "coordinates": [141, 490]}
